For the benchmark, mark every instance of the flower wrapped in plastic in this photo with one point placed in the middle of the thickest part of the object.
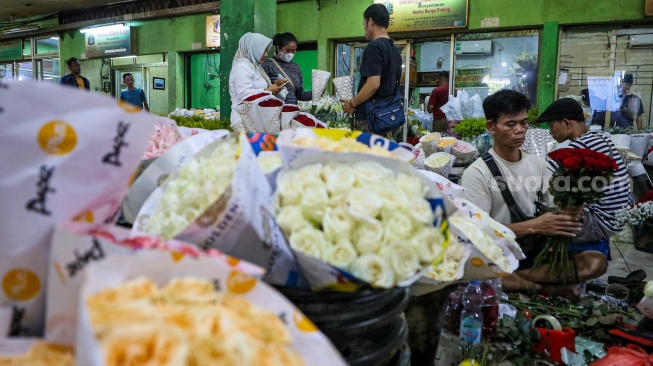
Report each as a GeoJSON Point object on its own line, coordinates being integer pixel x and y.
{"type": "Point", "coordinates": [335, 209]}
{"type": "Point", "coordinates": [305, 141]}
{"type": "Point", "coordinates": [221, 199]}
{"type": "Point", "coordinates": [440, 163]}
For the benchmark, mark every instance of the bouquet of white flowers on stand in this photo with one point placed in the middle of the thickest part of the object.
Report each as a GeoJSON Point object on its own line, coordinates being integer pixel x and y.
{"type": "Point", "coordinates": [221, 199]}
{"type": "Point", "coordinates": [356, 222]}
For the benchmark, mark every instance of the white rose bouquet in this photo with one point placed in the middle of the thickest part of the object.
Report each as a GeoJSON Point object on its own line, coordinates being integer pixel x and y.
{"type": "Point", "coordinates": [220, 198]}
{"type": "Point", "coordinates": [369, 219]}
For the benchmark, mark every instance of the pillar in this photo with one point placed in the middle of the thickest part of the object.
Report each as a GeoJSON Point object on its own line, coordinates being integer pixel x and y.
{"type": "Point", "coordinates": [548, 72]}
{"type": "Point", "coordinates": [238, 18]}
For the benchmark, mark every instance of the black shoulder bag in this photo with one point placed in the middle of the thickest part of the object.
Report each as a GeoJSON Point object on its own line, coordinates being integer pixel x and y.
{"type": "Point", "coordinates": [530, 244]}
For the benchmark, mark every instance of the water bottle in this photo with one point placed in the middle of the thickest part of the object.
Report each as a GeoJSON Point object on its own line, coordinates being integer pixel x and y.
{"type": "Point", "coordinates": [471, 318]}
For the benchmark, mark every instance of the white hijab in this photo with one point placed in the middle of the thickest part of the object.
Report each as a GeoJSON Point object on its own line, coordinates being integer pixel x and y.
{"type": "Point", "coordinates": [251, 47]}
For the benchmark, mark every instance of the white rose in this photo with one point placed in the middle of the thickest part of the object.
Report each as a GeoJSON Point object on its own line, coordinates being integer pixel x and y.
{"type": "Point", "coordinates": [341, 254]}
{"type": "Point", "coordinates": [371, 173]}
{"type": "Point", "coordinates": [337, 224]}
{"type": "Point", "coordinates": [403, 260]}
{"type": "Point", "coordinates": [411, 185]}
{"type": "Point", "coordinates": [310, 174]}
{"type": "Point", "coordinates": [314, 203]}
{"type": "Point", "coordinates": [421, 211]}
{"type": "Point", "coordinates": [369, 236]}
{"type": "Point", "coordinates": [373, 269]}
{"type": "Point", "coordinates": [309, 241]}
{"type": "Point", "coordinates": [339, 180]}
{"type": "Point", "coordinates": [363, 204]}
{"type": "Point", "coordinates": [290, 190]}
{"type": "Point", "coordinates": [391, 196]}
{"type": "Point", "coordinates": [428, 243]}
{"type": "Point", "coordinates": [290, 218]}
{"type": "Point", "coordinates": [338, 201]}
{"type": "Point", "coordinates": [398, 226]}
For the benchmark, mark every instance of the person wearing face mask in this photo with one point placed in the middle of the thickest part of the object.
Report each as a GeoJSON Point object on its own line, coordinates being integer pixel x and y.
{"type": "Point", "coordinates": [281, 67]}
{"type": "Point", "coordinates": [247, 77]}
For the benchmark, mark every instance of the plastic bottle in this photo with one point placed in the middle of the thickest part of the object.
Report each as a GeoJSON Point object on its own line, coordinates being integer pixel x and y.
{"type": "Point", "coordinates": [471, 318]}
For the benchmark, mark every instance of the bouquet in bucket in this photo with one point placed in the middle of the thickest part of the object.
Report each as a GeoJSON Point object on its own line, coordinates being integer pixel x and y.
{"type": "Point", "coordinates": [640, 213]}
{"type": "Point", "coordinates": [580, 178]}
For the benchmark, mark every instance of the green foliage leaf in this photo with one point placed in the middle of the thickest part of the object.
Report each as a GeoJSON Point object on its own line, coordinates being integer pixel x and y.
{"type": "Point", "coordinates": [197, 121]}
{"type": "Point", "coordinates": [470, 127]}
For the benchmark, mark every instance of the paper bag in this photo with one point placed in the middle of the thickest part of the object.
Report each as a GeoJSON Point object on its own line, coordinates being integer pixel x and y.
{"type": "Point", "coordinates": [239, 222]}
{"type": "Point", "coordinates": [307, 341]}
{"type": "Point", "coordinates": [68, 154]}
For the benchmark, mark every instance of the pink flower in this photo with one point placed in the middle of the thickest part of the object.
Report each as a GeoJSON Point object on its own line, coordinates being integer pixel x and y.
{"type": "Point", "coordinates": [163, 137]}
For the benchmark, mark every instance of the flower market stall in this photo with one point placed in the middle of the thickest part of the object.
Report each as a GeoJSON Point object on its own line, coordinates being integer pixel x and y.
{"type": "Point", "coordinates": [289, 240]}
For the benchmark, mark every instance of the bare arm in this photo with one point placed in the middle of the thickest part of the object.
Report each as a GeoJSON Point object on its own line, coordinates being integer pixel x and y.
{"type": "Point", "coordinates": [548, 224]}
{"type": "Point", "coordinates": [640, 122]}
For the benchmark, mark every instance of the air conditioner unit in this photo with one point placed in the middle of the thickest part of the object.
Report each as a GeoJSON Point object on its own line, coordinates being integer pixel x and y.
{"type": "Point", "coordinates": [473, 48]}
{"type": "Point", "coordinates": [641, 41]}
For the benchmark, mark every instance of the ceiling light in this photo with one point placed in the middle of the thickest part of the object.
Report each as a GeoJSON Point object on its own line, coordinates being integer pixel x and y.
{"type": "Point", "coordinates": [21, 29]}
{"type": "Point", "coordinates": [103, 28]}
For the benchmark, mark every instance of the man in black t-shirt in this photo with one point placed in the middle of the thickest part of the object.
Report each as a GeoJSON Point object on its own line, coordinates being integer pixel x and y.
{"type": "Point", "coordinates": [380, 66]}
{"type": "Point", "coordinates": [632, 107]}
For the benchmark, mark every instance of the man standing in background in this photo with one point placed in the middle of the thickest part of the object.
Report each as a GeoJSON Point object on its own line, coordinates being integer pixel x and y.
{"type": "Point", "coordinates": [75, 79]}
{"type": "Point", "coordinates": [380, 74]}
{"type": "Point", "coordinates": [632, 107]}
{"type": "Point", "coordinates": [133, 95]}
{"type": "Point", "coordinates": [440, 97]}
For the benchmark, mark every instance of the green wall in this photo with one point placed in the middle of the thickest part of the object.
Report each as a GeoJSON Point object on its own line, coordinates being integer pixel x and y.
{"type": "Point", "coordinates": [342, 20]}
{"type": "Point", "coordinates": [170, 35]}
{"type": "Point", "coordinates": [307, 61]}
{"type": "Point", "coordinates": [204, 82]}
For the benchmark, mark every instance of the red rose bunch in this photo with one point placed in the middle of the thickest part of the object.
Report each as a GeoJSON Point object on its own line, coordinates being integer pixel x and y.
{"type": "Point", "coordinates": [308, 121]}
{"type": "Point", "coordinates": [254, 97]}
{"type": "Point", "coordinates": [580, 178]}
{"type": "Point", "coordinates": [272, 102]}
{"type": "Point", "coordinates": [574, 159]}
{"type": "Point", "coordinates": [290, 108]}
{"type": "Point", "coordinates": [647, 198]}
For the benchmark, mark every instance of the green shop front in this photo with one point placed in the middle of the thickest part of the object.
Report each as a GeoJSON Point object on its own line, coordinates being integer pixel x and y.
{"type": "Point", "coordinates": [486, 46]}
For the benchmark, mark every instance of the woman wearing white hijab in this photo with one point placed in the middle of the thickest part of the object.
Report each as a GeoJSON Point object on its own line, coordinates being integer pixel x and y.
{"type": "Point", "coordinates": [247, 76]}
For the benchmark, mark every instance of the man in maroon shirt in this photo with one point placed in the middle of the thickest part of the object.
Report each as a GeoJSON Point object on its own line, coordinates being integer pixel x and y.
{"type": "Point", "coordinates": [440, 97]}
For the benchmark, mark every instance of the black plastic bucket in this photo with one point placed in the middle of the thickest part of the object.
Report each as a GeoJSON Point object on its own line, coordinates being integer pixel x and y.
{"type": "Point", "coordinates": [425, 317]}
{"type": "Point", "coordinates": [367, 327]}
{"type": "Point", "coordinates": [382, 352]}
{"type": "Point", "coordinates": [331, 306]}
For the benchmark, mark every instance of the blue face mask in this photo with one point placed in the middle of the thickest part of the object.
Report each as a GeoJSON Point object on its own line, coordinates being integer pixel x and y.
{"type": "Point", "coordinates": [287, 57]}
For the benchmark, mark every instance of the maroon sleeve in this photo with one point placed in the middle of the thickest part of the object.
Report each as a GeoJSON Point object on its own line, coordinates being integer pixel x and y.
{"type": "Point", "coordinates": [434, 96]}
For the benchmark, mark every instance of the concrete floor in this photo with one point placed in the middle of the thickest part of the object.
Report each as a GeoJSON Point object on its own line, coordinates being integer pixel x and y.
{"type": "Point", "coordinates": [625, 258]}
